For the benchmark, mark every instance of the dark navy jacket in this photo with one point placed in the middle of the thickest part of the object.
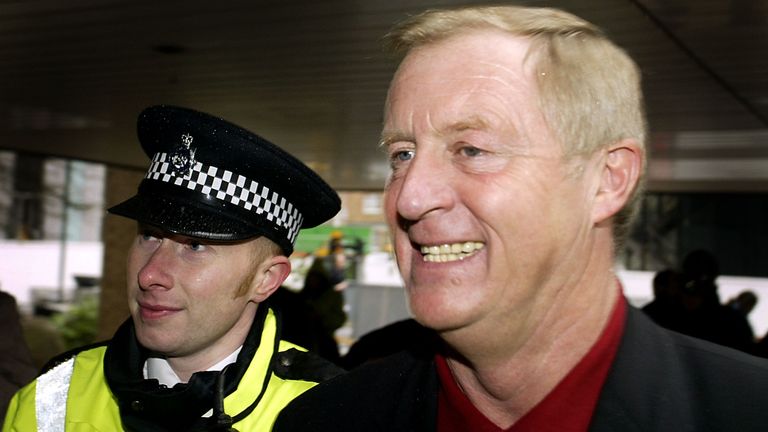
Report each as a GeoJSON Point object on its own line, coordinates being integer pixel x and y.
{"type": "Point", "coordinates": [659, 381]}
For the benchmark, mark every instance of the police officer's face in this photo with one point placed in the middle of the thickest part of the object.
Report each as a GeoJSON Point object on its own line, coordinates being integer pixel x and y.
{"type": "Point", "coordinates": [480, 200]}
{"type": "Point", "coordinates": [189, 298]}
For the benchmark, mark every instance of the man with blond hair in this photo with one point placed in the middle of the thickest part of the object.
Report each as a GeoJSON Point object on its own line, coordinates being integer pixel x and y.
{"type": "Point", "coordinates": [516, 138]}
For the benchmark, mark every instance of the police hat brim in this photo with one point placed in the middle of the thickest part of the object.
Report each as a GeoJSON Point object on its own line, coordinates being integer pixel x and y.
{"type": "Point", "coordinates": [185, 217]}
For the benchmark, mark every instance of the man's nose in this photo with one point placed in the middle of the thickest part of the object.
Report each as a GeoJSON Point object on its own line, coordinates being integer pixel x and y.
{"type": "Point", "coordinates": [425, 189]}
{"type": "Point", "coordinates": [156, 271]}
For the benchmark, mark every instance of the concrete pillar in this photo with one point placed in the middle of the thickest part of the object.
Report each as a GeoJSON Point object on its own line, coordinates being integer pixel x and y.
{"type": "Point", "coordinates": [118, 234]}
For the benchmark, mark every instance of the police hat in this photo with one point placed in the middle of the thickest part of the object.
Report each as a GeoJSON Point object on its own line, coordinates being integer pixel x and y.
{"type": "Point", "coordinates": [213, 180]}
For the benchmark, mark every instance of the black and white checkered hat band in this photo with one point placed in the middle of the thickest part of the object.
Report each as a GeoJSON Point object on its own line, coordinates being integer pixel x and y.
{"type": "Point", "coordinates": [231, 188]}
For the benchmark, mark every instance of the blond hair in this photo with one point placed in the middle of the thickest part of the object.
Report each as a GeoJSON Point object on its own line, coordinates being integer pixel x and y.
{"type": "Point", "coordinates": [589, 88]}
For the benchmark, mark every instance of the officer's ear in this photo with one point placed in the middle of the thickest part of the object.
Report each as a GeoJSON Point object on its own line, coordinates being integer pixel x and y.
{"type": "Point", "coordinates": [271, 273]}
{"type": "Point", "coordinates": [620, 167]}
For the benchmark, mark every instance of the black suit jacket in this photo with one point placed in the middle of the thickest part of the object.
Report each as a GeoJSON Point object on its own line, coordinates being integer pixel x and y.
{"type": "Point", "coordinates": [660, 381]}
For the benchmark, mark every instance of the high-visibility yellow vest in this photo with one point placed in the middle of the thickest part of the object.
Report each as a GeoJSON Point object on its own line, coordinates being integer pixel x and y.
{"type": "Point", "coordinates": [74, 396]}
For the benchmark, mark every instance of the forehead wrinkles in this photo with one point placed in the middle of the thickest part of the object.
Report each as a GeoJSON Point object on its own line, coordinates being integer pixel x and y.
{"type": "Point", "coordinates": [506, 75]}
{"type": "Point", "coordinates": [445, 83]}
{"type": "Point", "coordinates": [448, 99]}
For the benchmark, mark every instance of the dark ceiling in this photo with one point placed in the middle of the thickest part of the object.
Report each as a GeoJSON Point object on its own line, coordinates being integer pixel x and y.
{"type": "Point", "coordinates": [310, 76]}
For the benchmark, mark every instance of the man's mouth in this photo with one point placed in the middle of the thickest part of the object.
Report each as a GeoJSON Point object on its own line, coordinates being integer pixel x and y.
{"type": "Point", "coordinates": [155, 311]}
{"type": "Point", "coordinates": [451, 251]}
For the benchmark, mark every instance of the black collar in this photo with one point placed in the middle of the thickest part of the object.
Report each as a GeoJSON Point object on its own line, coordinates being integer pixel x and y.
{"type": "Point", "coordinates": [145, 405]}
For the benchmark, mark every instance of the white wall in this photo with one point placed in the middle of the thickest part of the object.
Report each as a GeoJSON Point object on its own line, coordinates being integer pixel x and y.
{"type": "Point", "coordinates": [25, 265]}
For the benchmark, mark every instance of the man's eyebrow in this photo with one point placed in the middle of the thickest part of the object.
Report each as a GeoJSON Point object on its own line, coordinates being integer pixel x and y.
{"type": "Point", "coordinates": [389, 137]}
{"type": "Point", "coordinates": [471, 123]}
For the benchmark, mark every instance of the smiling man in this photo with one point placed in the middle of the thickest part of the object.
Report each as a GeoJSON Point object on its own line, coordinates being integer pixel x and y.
{"type": "Point", "coordinates": [516, 138]}
{"type": "Point", "coordinates": [217, 215]}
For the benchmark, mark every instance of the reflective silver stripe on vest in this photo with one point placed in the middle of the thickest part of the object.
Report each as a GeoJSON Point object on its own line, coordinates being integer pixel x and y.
{"type": "Point", "coordinates": [51, 397]}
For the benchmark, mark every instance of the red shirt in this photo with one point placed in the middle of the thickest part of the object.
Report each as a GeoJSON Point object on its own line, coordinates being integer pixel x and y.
{"type": "Point", "coordinates": [567, 408]}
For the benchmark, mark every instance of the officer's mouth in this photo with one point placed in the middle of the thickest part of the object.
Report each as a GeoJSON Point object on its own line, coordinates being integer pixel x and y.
{"type": "Point", "coordinates": [154, 311]}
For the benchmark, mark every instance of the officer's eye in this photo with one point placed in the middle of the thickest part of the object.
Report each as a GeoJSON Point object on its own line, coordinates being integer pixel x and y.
{"type": "Point", "coordinates": [196, 246]}
{"type": "Point", "coordinates": [148, 236]}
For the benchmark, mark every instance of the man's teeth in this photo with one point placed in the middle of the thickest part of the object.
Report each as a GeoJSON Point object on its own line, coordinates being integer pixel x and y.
{"type": "Point", "coordinates": [450, 252]}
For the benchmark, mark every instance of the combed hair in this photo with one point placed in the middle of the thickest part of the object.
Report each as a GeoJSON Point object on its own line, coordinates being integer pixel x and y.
{"type": "Point", "coordinates": [590, 91]}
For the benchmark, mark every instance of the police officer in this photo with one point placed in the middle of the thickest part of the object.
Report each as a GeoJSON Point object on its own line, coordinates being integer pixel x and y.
{"type": "Point", "coordinates": [218, 213]}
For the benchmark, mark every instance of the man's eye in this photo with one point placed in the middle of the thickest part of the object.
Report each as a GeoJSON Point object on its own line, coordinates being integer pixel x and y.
{"type": "Point", "coordinates": [195, 246]}
{"type": "Point", "coordinates": [148, 236]}
{"type": "Point", "coordinates": [402, 155]}
{"type": "Point", "coordinates": [471, 151]}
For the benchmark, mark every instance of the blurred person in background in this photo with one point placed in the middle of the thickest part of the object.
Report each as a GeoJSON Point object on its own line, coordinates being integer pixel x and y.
{"type": "Point", "coordinates": [666, 308]}
{"type": "Point", "coordinates": [16, 366]}
{"type": "Point", "coordinates": [703, 315]}
{"type": "Point", "coordinates": [744, 302]}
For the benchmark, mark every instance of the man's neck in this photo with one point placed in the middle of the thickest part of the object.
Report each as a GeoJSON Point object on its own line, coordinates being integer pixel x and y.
{"type": "Point", "coordinates": [505, 373]}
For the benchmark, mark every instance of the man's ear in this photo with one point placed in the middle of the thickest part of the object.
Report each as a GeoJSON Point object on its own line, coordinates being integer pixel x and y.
{"type": "Point", "coordinates": [621, 166]}
{"type": "Point", "coordinates": [272, 273]}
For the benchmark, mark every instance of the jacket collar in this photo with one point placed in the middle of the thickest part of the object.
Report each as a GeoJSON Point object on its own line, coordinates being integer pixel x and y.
{"type": "Point", "coordinates": [146, 405]}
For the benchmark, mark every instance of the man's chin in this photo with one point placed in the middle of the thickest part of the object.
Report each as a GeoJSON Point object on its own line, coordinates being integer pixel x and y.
{"type": "Point", "coordinates": [157, 342]}
{"type": "Point", "coordinates": [439, 319]}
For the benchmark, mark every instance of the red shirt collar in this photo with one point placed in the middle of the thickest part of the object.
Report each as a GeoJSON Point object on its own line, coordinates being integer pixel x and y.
{"type": "Point", "coordinates": [567, 408]}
